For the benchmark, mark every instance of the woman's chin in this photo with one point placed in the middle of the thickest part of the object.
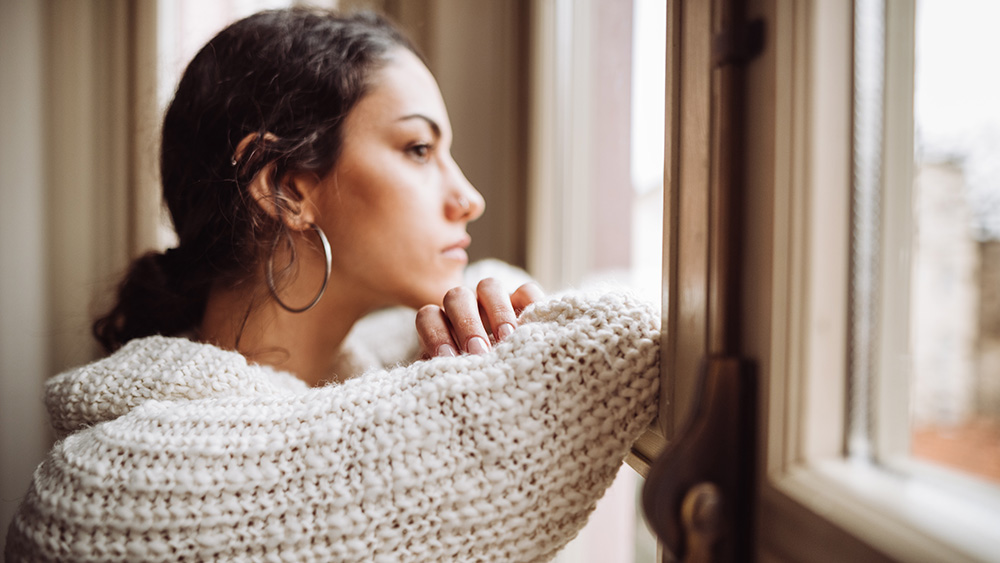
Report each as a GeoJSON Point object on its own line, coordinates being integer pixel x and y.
{"type": "Point", "coordinates": [434, 295]}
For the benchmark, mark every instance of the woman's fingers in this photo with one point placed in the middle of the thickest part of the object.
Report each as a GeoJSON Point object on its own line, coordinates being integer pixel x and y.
{"type": "Point", "coordinates": [526, 295]}
{"type": "Point", "coordinates": [468, 318]}
{"type": "Point", "coordinates": [434, 332]}
{"type": "Point", "coordinates": [496, 308]}
{"type": "Point", "coordinates": [462, 309]}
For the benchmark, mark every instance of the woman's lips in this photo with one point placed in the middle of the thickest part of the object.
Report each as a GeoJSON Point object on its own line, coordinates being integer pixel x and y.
{"type": "Point", "coordinates": [457, 251]}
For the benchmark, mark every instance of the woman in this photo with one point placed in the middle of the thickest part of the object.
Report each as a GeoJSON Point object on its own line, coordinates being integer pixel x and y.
{"type": "Point", "coordinates": [306, 165]}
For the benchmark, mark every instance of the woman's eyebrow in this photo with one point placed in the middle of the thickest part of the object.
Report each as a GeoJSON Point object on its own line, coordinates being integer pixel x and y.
{"type": "Point", "coordinates": [433, 124]}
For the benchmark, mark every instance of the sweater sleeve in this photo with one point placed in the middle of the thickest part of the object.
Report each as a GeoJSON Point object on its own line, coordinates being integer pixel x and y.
{"type": "Point", "coordinates": [498, 457]}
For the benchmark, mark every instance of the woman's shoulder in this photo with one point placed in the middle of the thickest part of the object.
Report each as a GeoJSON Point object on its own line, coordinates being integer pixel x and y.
{"type": "Point", "coordinates": [154, 368]}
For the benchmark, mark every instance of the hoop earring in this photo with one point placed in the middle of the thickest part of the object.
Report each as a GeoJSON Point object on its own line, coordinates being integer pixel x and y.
{"type": "Point", "coordinates": [327, 254]}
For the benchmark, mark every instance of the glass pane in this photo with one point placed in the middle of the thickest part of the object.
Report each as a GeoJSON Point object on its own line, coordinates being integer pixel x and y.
{"type": "Point", "coordinates": [955, 283]}
{"type": "Point", "coordinates": [628, 76]}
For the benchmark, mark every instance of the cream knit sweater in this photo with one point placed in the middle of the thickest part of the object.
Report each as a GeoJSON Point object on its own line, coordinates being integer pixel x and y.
{"type": "Point", "coordinates": [179, 451]}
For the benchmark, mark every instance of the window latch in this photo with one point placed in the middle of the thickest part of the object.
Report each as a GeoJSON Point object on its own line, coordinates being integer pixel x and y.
{"type": "Point", "coordinates": [698, 493]}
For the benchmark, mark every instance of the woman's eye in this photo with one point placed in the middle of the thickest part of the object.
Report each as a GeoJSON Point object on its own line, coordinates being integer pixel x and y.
{"type": "Point", "coordinates": [420, 152]}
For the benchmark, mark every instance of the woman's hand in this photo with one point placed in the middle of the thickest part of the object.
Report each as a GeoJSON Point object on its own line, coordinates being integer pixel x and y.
{"type": "Point", "coordinates": [468, 318]}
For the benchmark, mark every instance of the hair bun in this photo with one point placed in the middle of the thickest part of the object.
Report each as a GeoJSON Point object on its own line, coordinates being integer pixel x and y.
{"type": "Point", "coordinates": [154, 298]}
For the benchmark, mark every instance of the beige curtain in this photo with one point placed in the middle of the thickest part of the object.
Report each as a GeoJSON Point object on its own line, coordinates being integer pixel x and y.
{"type": "Point", "coordinates": [77, 171]}
{"type": "Point", "coordinates": [100, 158]}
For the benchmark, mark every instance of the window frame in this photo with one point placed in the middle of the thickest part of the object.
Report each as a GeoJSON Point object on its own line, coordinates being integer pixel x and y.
{"type": "Point", "coordinates": [812, 503]}
{"type": "Point", "coordinates": [815, 504]}
{"type": "Point", "coordinates": [687, 183]}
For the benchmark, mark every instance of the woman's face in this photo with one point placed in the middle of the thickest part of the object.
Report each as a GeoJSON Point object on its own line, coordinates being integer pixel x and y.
{"type": "Point", "coordinates": [396, 205]}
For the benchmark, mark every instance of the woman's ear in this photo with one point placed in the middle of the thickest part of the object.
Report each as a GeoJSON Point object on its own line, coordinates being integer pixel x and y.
{"type": "Point", "coordinates": [291, 199]}
{"type": "Point", "coordinates": [305, 187]}
{"type": "Point", "coordinates": [263, 192]}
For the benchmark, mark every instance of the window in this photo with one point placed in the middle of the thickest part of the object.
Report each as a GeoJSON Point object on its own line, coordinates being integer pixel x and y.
{"type": "Point", "coordinates": [835, 278]}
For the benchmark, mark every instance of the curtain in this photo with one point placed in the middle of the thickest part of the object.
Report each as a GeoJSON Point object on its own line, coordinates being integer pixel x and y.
{"type": "Point", "coordinates": [79, 191]}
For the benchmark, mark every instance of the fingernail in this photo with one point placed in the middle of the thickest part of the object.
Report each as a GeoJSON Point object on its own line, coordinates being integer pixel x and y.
{"type": "Point", "coordinates": [446, 350]}
{"type": "Point", "coordinates": [504, 330]}
{"type": "Point", "coordinates": [477, 345]}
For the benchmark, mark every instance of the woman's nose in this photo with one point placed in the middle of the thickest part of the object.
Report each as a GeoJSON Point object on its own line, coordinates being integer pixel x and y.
{"type": "Point", "coordinates": [464, 202]}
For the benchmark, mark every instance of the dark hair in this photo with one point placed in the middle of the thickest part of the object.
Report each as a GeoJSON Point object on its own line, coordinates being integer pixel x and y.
{"type": "Point", "coordinates": [291, 74]}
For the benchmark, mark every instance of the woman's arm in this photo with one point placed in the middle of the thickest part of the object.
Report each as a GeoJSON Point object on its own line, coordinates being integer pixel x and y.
{"type": "Point", "coordinates": [493, 457]}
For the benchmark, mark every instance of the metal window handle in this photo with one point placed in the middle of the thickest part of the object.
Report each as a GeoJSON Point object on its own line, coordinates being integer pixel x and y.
{"type": "Point", "coordinates": [697, 496]}
{"type": "Point", "coordinates": [701, 515]}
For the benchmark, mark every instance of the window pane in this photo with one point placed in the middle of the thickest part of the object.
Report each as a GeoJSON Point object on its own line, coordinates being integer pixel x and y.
{"type": "Point", "coordinates": [625, 61]}
{"type": "Point", "coordinates": [955, 283]}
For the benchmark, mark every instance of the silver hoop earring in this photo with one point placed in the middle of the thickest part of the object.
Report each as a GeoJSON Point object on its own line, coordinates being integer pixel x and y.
{"type": "Point", "coordinates": [327, 254]}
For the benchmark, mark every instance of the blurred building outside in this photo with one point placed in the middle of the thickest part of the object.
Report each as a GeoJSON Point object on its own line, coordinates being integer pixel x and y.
{"type": "Point", "coordinates": [955, 327]}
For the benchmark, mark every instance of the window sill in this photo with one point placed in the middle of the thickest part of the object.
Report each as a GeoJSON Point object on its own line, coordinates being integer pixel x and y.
{"type": "Point", "coordinates": [902, 517]}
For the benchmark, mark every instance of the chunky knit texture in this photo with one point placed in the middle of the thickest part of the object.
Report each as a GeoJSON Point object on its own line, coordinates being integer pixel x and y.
{"type": "Point", "coordinates": [179, 451]}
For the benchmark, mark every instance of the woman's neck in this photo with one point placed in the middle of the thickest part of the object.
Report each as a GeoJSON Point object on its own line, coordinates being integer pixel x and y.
{"type": "Point", "coordinates": [305, 344]}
